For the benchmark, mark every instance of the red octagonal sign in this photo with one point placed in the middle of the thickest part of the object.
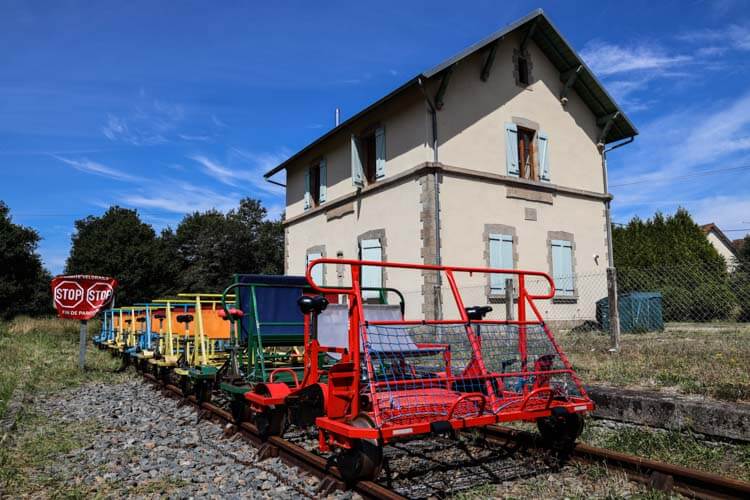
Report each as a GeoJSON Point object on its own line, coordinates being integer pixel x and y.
{"type": "Point", "coordinates": [81, 296]}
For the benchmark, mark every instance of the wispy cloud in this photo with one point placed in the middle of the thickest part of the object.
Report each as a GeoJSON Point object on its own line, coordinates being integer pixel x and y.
{"type": "Point", "coordinates": [149, 123]}
{"type": "Point", "coordinates": [695, 158]}
{"type": "Point", "coordinates": [217, 121]}
{"type": "Point", "coordinates": [218, 171]}
{"type": "Point", "coordinates": [701, 136]}
{"type": "Point", "coordinates": [92, 167]}
{"type": "Point", "coordinates": [182, 197]}
{"type": "Point", "coordinates": [734, 36]}
{"type": "Point", "coordinates": [197, 138]}
{"type": "Point", "coordinates": [609, 59]}
{"type": "Point", "coordinates": [244, 168]}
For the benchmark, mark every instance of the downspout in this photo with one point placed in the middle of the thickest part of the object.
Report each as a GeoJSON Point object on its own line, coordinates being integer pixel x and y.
{"type": "Point", "coordinates": [612, 293]}
{"type": "Point", "coordinates": [435, 160]}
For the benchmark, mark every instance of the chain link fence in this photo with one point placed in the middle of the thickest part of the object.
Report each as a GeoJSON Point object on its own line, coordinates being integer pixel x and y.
{"type": "Point", "coordinates": [650, 299]}
{"type": "Point", "coordinates": [655, 298]}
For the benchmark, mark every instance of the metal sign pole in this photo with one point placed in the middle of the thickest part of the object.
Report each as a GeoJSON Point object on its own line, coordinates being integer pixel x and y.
{"type": "Point", "coordinates": [82, 351]}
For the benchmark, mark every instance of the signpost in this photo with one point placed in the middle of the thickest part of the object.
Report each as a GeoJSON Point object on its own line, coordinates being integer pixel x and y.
{"type": "Point", "coordinates": [80, 297]}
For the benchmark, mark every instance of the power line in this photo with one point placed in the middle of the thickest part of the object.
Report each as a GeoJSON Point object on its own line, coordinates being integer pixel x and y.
{"type": "Point", "coordinates": [701, 173]}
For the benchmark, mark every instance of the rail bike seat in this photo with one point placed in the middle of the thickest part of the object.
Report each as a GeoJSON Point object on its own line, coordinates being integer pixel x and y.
{"type": "Point", "coordinates": [477, 312]}
{"type": "Point", "coordinates": [234, 314]}
{"type": "Point", "coordinates": [160, 315]}
{"type": "Point", "coordinates": [140, 320]}
{"type": "Point", "coordinates": [184, 318]}
{"type": "Point", "coordinates": [308, 304]}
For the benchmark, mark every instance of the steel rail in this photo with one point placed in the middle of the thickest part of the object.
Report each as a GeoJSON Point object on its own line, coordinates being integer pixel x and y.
{"type": "Point", "coordinates": [654, 474]}
{"type": "Point", "coordinates": [289, 453]}
{"type": "Point", "coordinates": [657, 475]}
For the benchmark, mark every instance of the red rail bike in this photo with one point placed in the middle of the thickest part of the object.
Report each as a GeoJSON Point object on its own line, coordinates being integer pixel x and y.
{"type": "Point", "coordinates": [371, 376]}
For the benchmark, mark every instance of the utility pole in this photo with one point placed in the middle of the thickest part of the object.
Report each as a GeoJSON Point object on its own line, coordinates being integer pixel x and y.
{"type": "Point", "coordinates": [612, 295]}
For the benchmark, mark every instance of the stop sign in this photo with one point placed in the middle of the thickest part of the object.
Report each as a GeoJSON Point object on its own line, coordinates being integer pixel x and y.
{"type": "Point", "coordinates": [82, 295]}
{"type": "Point", "coordinates": [68, 294]}
{"type": "Point", "coordinates": [99, 294]}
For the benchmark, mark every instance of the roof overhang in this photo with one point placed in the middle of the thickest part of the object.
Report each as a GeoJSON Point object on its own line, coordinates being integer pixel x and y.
{"type": "Point", "coordinates": [537, 27]}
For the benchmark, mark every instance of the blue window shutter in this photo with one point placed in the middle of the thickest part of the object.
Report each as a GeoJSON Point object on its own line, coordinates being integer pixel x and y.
{"type": "Point", "coordinates": [358, 172]}
{"type": "Point", "coordinates": [501, 257]}
{"type": "Point", "coordinates": [562, 267]}
{"type": "Point", "coordinates": [371, 276]}
{"type": "Point", "coordinates": [511, 149]}
{"type": "Point", "coordinates": [323, 180]}
{"type": "Point", "coordinates": [379, 152]}
{"type": "Point", "coordinates": [308, 198]}
{"type": "Point", "coordinates": [543, 148]}
{"type": "Point", "coordinates": [317, 271]}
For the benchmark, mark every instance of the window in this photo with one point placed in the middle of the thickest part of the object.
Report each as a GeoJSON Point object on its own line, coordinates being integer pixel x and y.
{"type": "Point", "coordinates": [317, 271]}
{"type": "Point", "coordinates": [562, 267]}
{"type": "Point", "coordinates": [522, 68]}
{"type": "Point", "coordinates": [527, 153]}
{"type": "Point", "coordinates": [524, 78]}
{"type": "Point", "coordinates": [316, 184]}
{"type": "Point", "coordinates": [501, 257]}
{"type": "Point", "coordinates": [368, 157]}
{"type": "Point", "coordinates": [372, 276]}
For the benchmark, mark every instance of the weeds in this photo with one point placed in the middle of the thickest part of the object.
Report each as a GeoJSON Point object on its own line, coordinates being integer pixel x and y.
{"type": "Point", "coordinates": [41, 355]}
{"type": "Point", "coordinates": [673, 447]}
{"type": "Point", "coordinates": [703, 362]}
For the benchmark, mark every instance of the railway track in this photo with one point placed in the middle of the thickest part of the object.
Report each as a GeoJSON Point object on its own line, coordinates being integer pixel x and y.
{"type": "Point", "coordinates": [426, 462]}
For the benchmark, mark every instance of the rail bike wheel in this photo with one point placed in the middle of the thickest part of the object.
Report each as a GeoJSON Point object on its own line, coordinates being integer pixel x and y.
{"type": "Point", "coordinates": [202, 391]}
{"type": "Point", "coordinates": [560, 431]}
{"type": "Point", "coordinates": [270, 422]}
{"type": "Point", "coordinates": [240, 410]}
{"type": "Point", "coordinates": [364, 460]}
{"type": "Point", "coordinates": [185, 385]}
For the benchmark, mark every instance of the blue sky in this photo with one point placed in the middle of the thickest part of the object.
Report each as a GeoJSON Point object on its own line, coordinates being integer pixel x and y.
{"type": "Point", "coordinates": [170, 107]}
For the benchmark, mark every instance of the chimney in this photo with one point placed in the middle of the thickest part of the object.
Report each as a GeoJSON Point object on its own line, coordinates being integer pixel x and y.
{"type": "Point", "coordinates": [338, 116]}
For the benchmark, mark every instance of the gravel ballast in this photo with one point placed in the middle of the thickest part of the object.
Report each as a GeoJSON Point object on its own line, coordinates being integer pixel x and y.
{"type": "Point", "coordinates": [143, 444]}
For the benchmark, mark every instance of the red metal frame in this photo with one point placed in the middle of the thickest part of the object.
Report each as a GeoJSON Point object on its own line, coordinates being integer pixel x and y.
{"type": "Point", "coordinates": [342, 388]}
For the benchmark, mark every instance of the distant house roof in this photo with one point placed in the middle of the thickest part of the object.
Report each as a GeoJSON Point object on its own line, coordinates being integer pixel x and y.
{"type": "Point", "coordinates": [713, 228]}
{"type": "Point", "coordinates": [562, 55]}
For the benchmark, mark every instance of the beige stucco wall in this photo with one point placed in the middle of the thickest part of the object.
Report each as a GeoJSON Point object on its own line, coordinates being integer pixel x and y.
{"type": "Point", "coordinates": [471, 126]}
{"type": "Point", "coordinates": [468, 205]}
{"type": "Point", "coordinates": [406, 142]}
{"type": "Point", "coordinates": [396, 210]}
{"type": "Point", "coordinates": [471, 129]}
{"type": "Point", "coordinates": [720, 247]}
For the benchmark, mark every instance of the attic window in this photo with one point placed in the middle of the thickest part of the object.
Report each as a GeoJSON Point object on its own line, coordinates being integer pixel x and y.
{"type": "Point", "coordinates": [523, 70]}
{"type": "Point", "coordinates": [522, 67]}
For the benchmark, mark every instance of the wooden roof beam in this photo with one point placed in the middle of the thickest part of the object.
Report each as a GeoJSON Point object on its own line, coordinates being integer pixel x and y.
{"type": "Point", "coordinates": [529, 34]}
{"type": "Point", "coordinates": [443, 87]}
{"type": "Point", "coordinates": [569, 77]}
{"type": "Point", "coordinates": [489, 60]}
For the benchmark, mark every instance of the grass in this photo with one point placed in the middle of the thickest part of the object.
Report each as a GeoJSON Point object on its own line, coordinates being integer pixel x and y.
{"type": "Point", "coordinates": [37, 357]}
{"type": "Point", "coordinates": [42, 355]}
{"type": "Point", "coordinates": [38, 442]}
{"type": "Point", "coordinates": [701, 362]}
{"type": "Point", "coordinates": [677, 448]}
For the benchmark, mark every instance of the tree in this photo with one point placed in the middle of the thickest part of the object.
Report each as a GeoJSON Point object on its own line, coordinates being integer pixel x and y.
{"type": "Point", "coordinates": [120, 245]}
{"type": "Point", "coordinates": [670, 254]}
{"type": "Point", "coordinates": [212, 246]}
{"type": "Point", "coordinates": [24, 283]}
{"type": "Point", "coordinates": [741, 280]}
